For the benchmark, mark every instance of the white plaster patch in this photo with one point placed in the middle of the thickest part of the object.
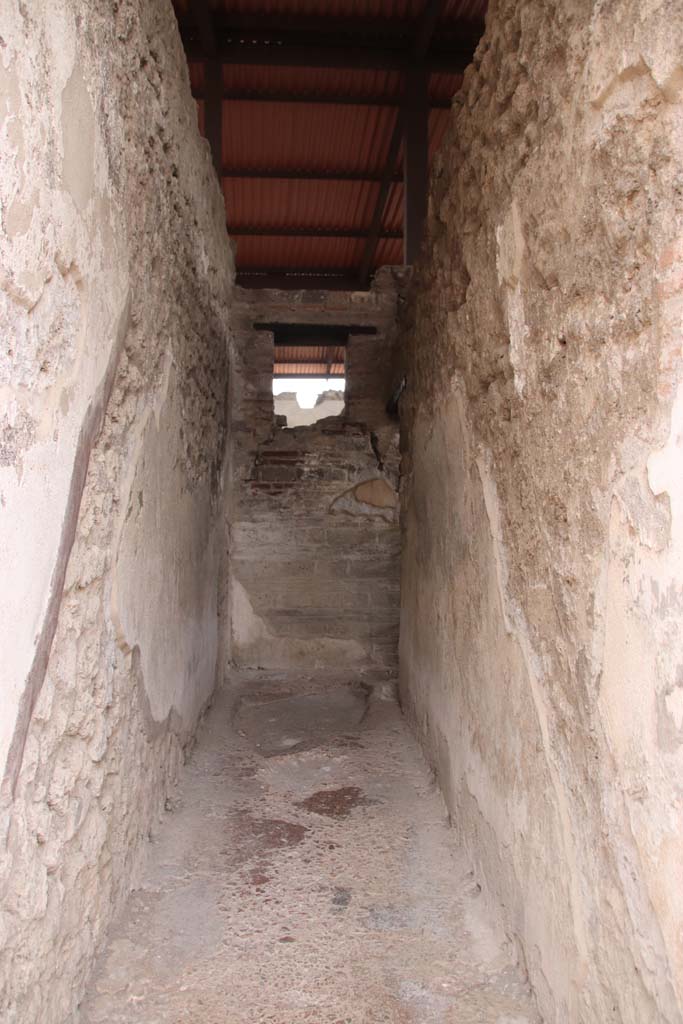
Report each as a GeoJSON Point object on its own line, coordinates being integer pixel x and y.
{"type": "Point", "coordinates": [78, 133]}
{"type": "Point", "coordinates": [246, 628]}
{"type": "Point", "coordinates": [151, 583]}
{"type": "Point", "coordinates": [674, 705]}
{"type": "Point", "coordinates": [665, 473]}
{"type": "Point", "coordinates": [510, 254]}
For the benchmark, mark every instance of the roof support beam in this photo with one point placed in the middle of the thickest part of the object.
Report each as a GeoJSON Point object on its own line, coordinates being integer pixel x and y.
{"type": "Point", "coordinates": [293, 279]}
{"type": "Point", "coordinates": [313, 334]}
{"type": "Point", "coordinates": [204, 23]}
{"type": "Point", "coordinates": [259, 231]}
{"type": "Point", "coordinates": [415, 164]}
{"type": "Point", "coordinates": [316, 98]}
{"type": "Point", "coordinates": [213, 111]}
{"type": "Point", "coordinates": [375, 232]}
{"type": "Point", "coordinates": [323, 53]}
{"type": "Point", "coordinates": [301, 174]}
{"type": "Point", "coordinates": [350, 28]}
{"type": "Point", "coordinates": [213, 105]}
{"type": "Point", "coordinates": [423, 36]}
{"type": "Point", "coordinates": [425, 31]}
{"type": "Point", "coordinates": [286, 27]}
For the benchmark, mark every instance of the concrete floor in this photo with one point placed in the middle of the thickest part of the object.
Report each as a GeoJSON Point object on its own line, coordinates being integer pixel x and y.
{"type": "Point", "coordinates": [306, 874]}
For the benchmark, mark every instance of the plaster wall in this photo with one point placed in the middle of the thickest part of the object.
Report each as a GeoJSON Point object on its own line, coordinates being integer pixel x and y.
{"type": "Point", "coordinates": [542, 570]}
{"type": "Point", "coordinates": [115, 277]}
{"type": "Point", "coordinates": [312, 513]}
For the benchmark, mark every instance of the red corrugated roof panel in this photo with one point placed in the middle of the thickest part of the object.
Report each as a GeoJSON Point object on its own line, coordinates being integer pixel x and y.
{"type": "Point", "coordinates": [267, 138]}
{"type": "Point", "coordinates": [293, 204]}
{"type": "Point", "coordinates": [306, 136]}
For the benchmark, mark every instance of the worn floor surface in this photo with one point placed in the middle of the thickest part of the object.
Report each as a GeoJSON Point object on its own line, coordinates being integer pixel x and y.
{"type": "Point", "coordinates": [306, 874]}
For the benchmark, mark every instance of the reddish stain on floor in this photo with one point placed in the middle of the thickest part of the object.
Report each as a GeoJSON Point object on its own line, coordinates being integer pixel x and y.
{"type": "Point", "coordinates": [334, 803]}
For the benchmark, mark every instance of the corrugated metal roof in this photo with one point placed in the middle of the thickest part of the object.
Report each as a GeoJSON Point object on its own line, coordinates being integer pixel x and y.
{"type": "Point", "coordinates": [308, 253]}
{"type": "Point", "coordinates": [309, 360]}
{"type": "Point", "coordinates": [266, 137]}
{"type": "Point", "coordinates": [287, 204]}
{"type": "Point", "coordinates": [309, 370]}
{"type": "Point", "coordinates": [309, 136]}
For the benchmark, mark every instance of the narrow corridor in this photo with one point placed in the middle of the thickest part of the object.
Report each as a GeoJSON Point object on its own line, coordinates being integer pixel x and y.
{"type": "Point", "coordinates": [306, 873]}
{"type": "Point", "coordinates": [464, 220]}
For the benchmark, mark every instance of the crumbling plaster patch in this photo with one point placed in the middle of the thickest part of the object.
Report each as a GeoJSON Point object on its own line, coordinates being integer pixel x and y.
{"type": "Point", "coordinates": [115, 280]}
{"type": "Point", "coordinates": [373, 497]}
{"type": "Point", "coordinates": [547, 309]}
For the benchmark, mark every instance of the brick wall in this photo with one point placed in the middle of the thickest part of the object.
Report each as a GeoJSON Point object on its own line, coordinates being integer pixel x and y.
{"type": "Point", "coordinates": [313, 537]}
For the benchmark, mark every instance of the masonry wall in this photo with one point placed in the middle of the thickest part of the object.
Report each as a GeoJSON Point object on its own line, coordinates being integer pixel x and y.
{"type": "Point", "coordinates": [312, 517]}
{"type": "Point", "coordinates": [115, 278]}
{"type": "Point", "coordinates": [542, 582]}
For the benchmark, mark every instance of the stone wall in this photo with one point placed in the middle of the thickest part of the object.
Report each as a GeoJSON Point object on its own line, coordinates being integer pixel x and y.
{"type": "Point", "coordinates": [312, 516]}
{"type": "Point", "coordinates": [542, 509]}
{"type": "Point", "coordinates": [115, 276]}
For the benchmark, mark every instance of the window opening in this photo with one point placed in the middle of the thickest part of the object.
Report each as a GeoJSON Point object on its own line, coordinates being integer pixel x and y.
{"type": "Point", "coordinates": [309, 370]}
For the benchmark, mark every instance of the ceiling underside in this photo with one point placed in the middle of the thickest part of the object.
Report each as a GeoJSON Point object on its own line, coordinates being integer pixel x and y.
{"type": "Point", "coordinates": [305, 105]}
{"type": "Point", "coordinates": [309, 361]}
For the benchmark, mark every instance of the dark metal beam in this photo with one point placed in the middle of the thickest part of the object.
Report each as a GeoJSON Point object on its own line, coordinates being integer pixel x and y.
{"type": "Point", "coordinates": [306, 280]}
{"type": "Point", "coordinates": [302, 174]}
{"type": "Point", "coordinates": [388, 177]}
{"type": "Point", "coordinates": [415, 164]}
{"type": "Point", "coordinates": [393, 34]}
{"type": "Point", "coordinates": [298, 376]}
{"type": "Point", "coordinates": [277, 25]}
{"type": "Point", "coordinates": [261, 231]}
{"type": "Point", "coordinates": [326, 53]}
{"type": "Point", "coordinates": [430, 15]}
{"type": "Point", "coordinates": [311, 334]}
{"type": "Point", "coordinates": [416, 140]}
{"type": "Point", "coordinates": [422, 39]}
{"type": "Point", "coordinates": [306, 358]}
{"type": "Point", "coordinates": [213, 73]}
{"type": "Point", "coordinates": [317, 98]}
{"type": "Point", "coordinates": [213, 112]}
{"type": "Point", "coordinates": [204, 22]}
